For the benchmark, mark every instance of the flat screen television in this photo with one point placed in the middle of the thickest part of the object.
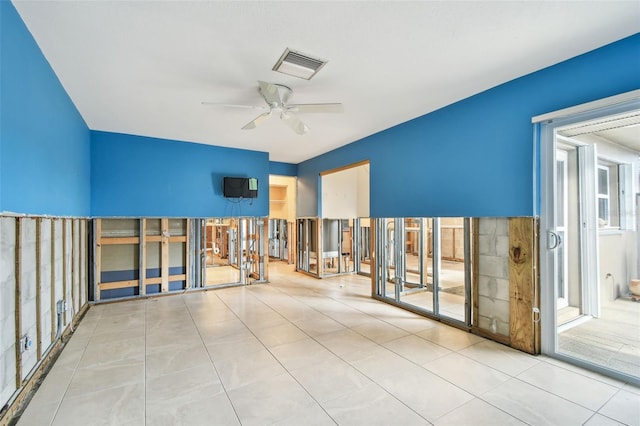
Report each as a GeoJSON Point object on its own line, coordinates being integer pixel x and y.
{"type": "Point", "coordinates": [240, 187]}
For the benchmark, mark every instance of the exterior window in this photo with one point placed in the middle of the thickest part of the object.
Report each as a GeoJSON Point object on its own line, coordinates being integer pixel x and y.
{"type": "Point", "coordinates": [604, 213]}
{"type": "Point", "coordinates": [613, 196]}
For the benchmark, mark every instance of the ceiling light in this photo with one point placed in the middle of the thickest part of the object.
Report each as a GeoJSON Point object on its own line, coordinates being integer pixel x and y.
{"type": "Point", "coordinates": [298, 64]}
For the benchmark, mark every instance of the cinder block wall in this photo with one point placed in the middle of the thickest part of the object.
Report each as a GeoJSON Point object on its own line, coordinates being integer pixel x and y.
{"type": "Point", "coordinates": [493, 275]}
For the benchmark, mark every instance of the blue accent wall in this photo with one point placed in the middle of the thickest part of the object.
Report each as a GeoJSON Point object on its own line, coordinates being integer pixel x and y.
{"type": "Point", "coordinates": [139, 176]}
{"type": "Point", "coordinates": [475, 157]}
{"type": "Point", "coordinates": [282, 169]}
{"type": "Point", "coordinates": [44, 142]}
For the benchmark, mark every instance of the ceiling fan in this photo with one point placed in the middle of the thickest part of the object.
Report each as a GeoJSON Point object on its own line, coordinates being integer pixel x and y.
{"type": "Point", "coordinates": [277, 97]}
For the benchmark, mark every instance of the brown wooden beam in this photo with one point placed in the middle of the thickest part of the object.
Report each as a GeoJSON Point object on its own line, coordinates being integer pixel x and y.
{"type": "Point", "coordinates": [53, 279]}
{"type": "Point", "coordinates": [18, 300]}
{"type": "Point", "coordinates": [523, 329]}
{"type": "Point", "coordinates": [38, 288]}
{"type": "Point", "coordinates": [119, 240]}
{"type": "Point", "coordinates": [118, 284]}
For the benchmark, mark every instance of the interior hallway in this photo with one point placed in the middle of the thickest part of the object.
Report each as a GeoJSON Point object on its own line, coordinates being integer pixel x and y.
{"type": "Point", "coordinates": [306, 351]}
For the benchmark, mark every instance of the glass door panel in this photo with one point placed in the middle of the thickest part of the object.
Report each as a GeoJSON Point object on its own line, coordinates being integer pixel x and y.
{"type": "Point", "coordinates": [418, 276]}
{"type": "Point", "coordinates": [218, 242]}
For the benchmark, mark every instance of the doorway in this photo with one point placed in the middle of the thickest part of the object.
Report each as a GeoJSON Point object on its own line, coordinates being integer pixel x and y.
{"type": "Point", "coordinates": [589, 236]}
{"type": "Point", "coordinates": [231, 250]}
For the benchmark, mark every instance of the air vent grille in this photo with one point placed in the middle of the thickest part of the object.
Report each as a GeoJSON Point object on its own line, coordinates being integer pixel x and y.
{"type": "Point", "coordinates": [298, 64]}
{"type": "Point", "coordinates": [303, 61]}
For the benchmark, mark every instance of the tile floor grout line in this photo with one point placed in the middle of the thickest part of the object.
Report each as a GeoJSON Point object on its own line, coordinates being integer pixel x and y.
{"type": "Point", "coordinates": [255, 293]}
{"type": "Point", "coordinates": [443, 378]}
{"type": "Point", "coordinates": [224, 388]}
{"type": "Point", "coordinates": [75, 368]}
{"type": "Point", "coordinates": [349, 364]}
{"type": "Point", "coordinates": [372, 316]}
{"type": "Point", "coordinates": [146, 310]}
{"type": "Point", "coordinates": [622, 383]}
{"type": "Point", "coordinates": [546, 391]}
{"type": "Point", "coordinates": [335, 354]}
{"type": "Point", "coordinates": [276, 358]}
{"type": "Point", "coordinates": [389, 349]}
{"type": "Point", "coordinates": [560, 396]}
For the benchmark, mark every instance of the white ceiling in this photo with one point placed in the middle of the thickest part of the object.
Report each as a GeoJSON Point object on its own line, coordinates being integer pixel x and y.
{"type": "Point", "coordinates": [144, 67]}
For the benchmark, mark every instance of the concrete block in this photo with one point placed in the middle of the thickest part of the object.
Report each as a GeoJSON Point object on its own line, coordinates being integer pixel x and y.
{"type": "Point", "coordinates": [493, 266]}
{"type": "Point", "coordinates": [502, 226]}
{"type": "Point", "coordinates": [502, 246]}
{"type": "Point", "coordinates": [493, 288]}
{"type": "Point", "coordinates": [497, 311]}
{"type": "Point", "coordinates": [487, 225]}
{"type": "Point", "coordinates": [487, 245]}
{"type": "Point", "coordinates": [493, 308]}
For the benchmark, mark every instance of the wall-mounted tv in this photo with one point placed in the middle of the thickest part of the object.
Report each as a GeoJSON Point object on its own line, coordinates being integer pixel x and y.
{"type": "Point", "coordinates": [240, 187]}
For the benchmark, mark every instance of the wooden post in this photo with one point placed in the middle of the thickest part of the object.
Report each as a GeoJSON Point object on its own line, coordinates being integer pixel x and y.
{"type": "Point", "coordinates": [18, 300]}
{"type": "Point", "coordinates": [522, 284]}
{"type": "Point", "coordinates": [74, 269]}
{"type": "Point", "coordinates": [53, 280]}
{"type": "Point", "coordinates": [143, 258]}
{"type": "Point", "coordinates": [164, 262]}
{"type": "Point", "coordinates": [98, 260]}
{"type": "Point", "coordinates": [84, 285]}
{"type": "Point", "coordinates": [38, 287]}
{"type": "Point", "coordinates": [64, 266]}
{"type": "Point", "coordinates": [187, 263]}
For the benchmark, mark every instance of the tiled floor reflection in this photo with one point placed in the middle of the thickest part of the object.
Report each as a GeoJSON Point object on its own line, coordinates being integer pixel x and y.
{"type": "Point", "coordinates": [303, 351]}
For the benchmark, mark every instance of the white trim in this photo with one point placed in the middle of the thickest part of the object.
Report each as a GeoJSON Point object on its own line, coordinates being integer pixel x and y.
{"type": "Point", "coordinates": [589, 106]}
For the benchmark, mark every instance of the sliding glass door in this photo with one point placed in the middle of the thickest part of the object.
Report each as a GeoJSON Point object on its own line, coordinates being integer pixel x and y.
{"type": "Point", "coordinates": [589, 240]}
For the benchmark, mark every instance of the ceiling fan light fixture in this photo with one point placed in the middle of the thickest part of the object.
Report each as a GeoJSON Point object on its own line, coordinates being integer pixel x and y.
{"type": "Point", "coordinates": [298, 64]}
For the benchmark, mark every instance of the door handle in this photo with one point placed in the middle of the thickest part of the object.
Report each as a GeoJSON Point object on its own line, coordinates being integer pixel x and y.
{"type": "Point", "coordinates": [553, 240]}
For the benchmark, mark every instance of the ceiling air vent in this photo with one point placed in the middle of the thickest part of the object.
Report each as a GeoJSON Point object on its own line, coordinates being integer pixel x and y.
{"type": "Point", "coordinates": [298, 64]}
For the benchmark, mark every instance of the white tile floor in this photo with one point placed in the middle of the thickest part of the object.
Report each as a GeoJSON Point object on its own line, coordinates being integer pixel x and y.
{"type": "Point", "coordinates": [302, 351]}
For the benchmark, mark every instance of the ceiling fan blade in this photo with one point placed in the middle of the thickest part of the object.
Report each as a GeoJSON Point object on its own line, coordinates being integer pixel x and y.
{"type": "Point", "coordinates": [270, 93]}
{"type": "Point", "coordinates": [233, 105]}
{"type": "Point", "coordinates": [256, 121]}
{"type": "Point", "coordinates": [294, 122]}
{"type": "Point", "coordinates": [324, 108]}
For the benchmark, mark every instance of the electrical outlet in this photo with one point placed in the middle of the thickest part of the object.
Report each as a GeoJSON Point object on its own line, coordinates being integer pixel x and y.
{"type": "Point", "coordinates": [25, 343]}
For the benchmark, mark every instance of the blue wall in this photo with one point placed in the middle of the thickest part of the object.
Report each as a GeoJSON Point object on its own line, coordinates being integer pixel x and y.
{"type": "Point", "coordinates": [283, 169]}
{"type": "Point", "coordinates": [141, 176]}
{"type": "Point", "coordinates": [475, 157]}
{"type": "Point", "coordinates": [44, 142]}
